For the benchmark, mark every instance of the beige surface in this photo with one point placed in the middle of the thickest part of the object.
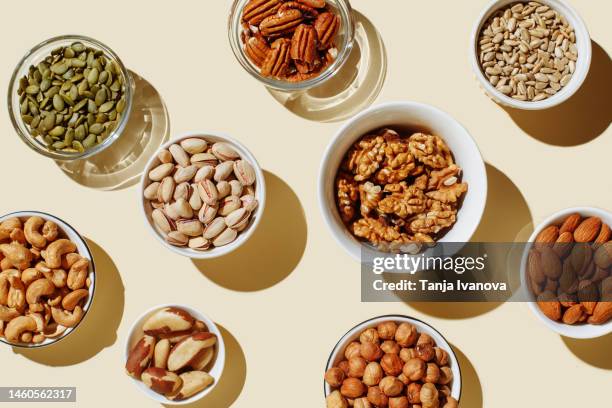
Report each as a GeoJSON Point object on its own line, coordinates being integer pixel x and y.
{"type": "Point", "coordinates": [291, 292]}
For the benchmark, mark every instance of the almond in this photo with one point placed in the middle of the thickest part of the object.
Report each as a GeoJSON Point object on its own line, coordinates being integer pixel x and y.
{"type": "Point", "coordinates": [548, 235]}
{"type": "Point", "coordinates": [603, 255]}
{"type": "Point", "coordinates": [534, 266]}
{"type": "Point", "coordinates": [564, 244]}
{"type": "Point", "coordinates": [573, 314]}
{"type": "Point", "coordinates": [604, 234]}
{"type": "Point", "coordinates": [551, 264]}
{"type": "Point", "coordinates": [551, 309]}
{"type": "Point", "coordinates": [571, 223]}
{"type": "Point", "coordinates": [588, 230]}
{"type": "Point", "coordinates": [602, 313]}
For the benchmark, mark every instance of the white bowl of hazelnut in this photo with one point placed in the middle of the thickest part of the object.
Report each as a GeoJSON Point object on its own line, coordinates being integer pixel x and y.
{"type": "Point", "coordinates": [401, 174]}
{"type": "Point", "coordinates": [392, 361]}
{"type": "Point", "coordinates": [566, 273]}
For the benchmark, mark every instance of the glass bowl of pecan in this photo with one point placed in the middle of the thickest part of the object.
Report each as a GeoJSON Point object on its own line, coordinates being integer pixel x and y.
{"type": "Point", "coordinates": [291, 45]}
{"type": "Point", "coordinates": [399, 176]}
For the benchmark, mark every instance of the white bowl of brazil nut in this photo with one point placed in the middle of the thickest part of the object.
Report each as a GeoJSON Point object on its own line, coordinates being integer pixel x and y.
{"type": "Point", "coordinates": [413, 116]}
{"type": "Point", "coordinates": [580, 331]}
{"type": "Point", "coordinates": [53, 330]}
{"type": "Point", "coordinates": [250, 212]}
{"type": "Point", "coordinates": [580, 67]}
{"type": "Point", "coordinates": [337, 354]}
{"type": "Point", "coordinates": [213, 365]}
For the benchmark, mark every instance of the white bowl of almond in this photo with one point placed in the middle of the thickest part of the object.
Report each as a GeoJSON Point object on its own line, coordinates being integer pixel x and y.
{"type": "Point", "coordinates": [203, 194]}
{"type": "Point", "coordinates": [566, 272]}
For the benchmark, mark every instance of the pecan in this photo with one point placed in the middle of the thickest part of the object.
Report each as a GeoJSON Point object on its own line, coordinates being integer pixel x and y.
{"type": "Point", "coordinates": [327, 25]}
{"type": "Point", "coordinates": [257, 49]}
{"type": "Point", "coordinates": [304, 48]}
{"type": "Point", "coordinates": [281, 24]}
{"type": "Point", "coordinates": [307, 11]}
{"type": "Point", "coordinates": [313, 3]}
{"type": "Point", "coordinates": [257, 10]}
{"type": "Point", "coordinates": [277, 61]}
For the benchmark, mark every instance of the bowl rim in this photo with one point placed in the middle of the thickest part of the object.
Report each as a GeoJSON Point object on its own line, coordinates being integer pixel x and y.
{"type": "Point", "coordinates": [116, 133]}
{"type": "Point", "coordinates": [92, 274]}
{"type": "Point", "coordinates": [585, 56]}
{"type": "Point", "coordinates": [327, 210]}
{"type": "Point", "coordinates": [572, 331]}
{"type": "Point", "coordinates": [212, 328]}
{"type": "Point", "coordinates": [237, 48]}
{"type": "Point", "coordinates": [245, 235]}
{"type": "Point", "coordinates": [403, 319]}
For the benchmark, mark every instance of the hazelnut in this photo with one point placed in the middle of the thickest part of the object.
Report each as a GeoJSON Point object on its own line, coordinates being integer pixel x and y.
{"type": "Point", "coordinates": [402, 377]}
{"type": "Point", "coordinates": [336, 400]}
{"type": "Point", "coordinates": [352, 350]}
{"type": "Point", "coordinates": [441, 358]}
{"type": "Point", "coordinates": [371, 351]}
{"type": "Point", "coordinates": [425, 338]}
{"type": "Point", "coordinates": [386, 330]}
{"type": "Point", "coordinates": [369, 336]}
{"type": "Point", "coordinates": [398, 402]}
{"type": "Point", "coordinates": [391, 364]}
{"type": "Point", "coordinates": [362, 403]}
{"type": "Point", "coordinates": [414, 393]}
{"type": "Point", "coordinates": [406, 335]}
{"type": "Point", "coordinates": [373, 374]}
{"type": "Point", "coordinates": [344, 366]}
{"type": "Point", "coordinates": [377, 397]}
{"type": "Point", "coordinates": [334, 377]}
{"type": "Point", "coordinates": [429, 396]}
{"type": "Point", "coordinates": [446, 376]}
{"type": "Point", "coordinates": [391, 386]}
{"type": "Point", "coordinates": [390, 346]}
{"type": "Point", "coordinates": [432, 373]}
{"type": "Point", "coordinates": [414, 369]}
{"type": "Point", "coordinates": [451, 403]}
{"type": "Point", "coordinates": [407, 354]}
{"type": "Point", "coordinates": [357, 367]}
{"type": "Point", "coordinates": [425, 351]}
{"type": "Point", "coordinates": [352, 388]}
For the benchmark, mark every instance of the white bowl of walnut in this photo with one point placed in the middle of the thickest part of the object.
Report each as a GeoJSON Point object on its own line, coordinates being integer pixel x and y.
{"type": "Point", "coordinates": [395, 361]}
{"type": "Point", "coordinates": [399, 175]}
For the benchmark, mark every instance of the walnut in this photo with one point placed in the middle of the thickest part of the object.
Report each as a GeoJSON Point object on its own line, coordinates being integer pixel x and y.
{"type": "Point", "coordinates": [403, 201]}
{"type": "Point", "coordinates": [369, 195]}
{"type": "Point", "coordinates": [448, 194]}
{"type": "Point", "coordinates": [366, 156]}
{"type": "Point", "coordinates": [444, 177]}
{"type": "Point", "coordinates": [378, 232]}
{"type": "Point", "coordinates": [437, 217]}
{"type": "Point", "coordinates": [430, 150]}
{"type": "Point", "coordinates": [347, 191]}
{"type": "Point", "coordinates": [398, 163]}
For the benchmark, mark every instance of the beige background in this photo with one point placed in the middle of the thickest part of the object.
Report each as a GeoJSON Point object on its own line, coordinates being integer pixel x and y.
{"type": "Point", "coordinates": [291, 292]}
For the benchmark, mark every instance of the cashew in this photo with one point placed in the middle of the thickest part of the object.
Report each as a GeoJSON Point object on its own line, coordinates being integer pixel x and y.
{"type": "Point", "coordinates": [35, 253]}
{"type": "Point", "coordinates": [69, 259]}
{"type": "Point", "coordinates": [5, 236]}
{"type": "Point", "coordinates": [78, 274]}
{"type": "Point", "coordinates": [32, 234]}
{"type": "Point", "coordinates": [18, 255]}
{"type": "Point", "coordinates": [40, 321]}
{"type": "Point", "coordinates": [50, 231]}
{"type": "Point", "coordinates": [18, 236]}
{"type": "Point", "coordinates": [42, 267]}
{"type": "Point", "coordinates": [7, 313]}
{"type": "Point", "coordinates": [66, 318]}
{"type": "Point", "coordinates": [38, 288]}
{"type": "Point", "coordinates": [16, 295]}
{"type": "Point", "coordinates": [5, 264]}
{"type": "Point", "coordinates": [10, 224]}
{"type": "Point", "coordinates": [55, 250]}
{"type": "Point", "coordinates": [30, 275]}
{"type": "Point", "coordinates": [72, 299]}
{"type": "Point", "coordinates": [38, 338]}
{"type": "Point", "coordinates": [58, 277]}
{"type": "Point", "coordinates": [5, 285]}
{"type": "Point", "coordinates": [26, 337]}
{"type": "Point", "coordinates": [16, 327]}
{"type": "Point", "coordinates": [54, 330]}
{"type": "Point", "coordinates": [1, 328]}
{"type": "Point", "coordinates": [37, 308]}
{"type": "Point", "coordinates": [56, 298]}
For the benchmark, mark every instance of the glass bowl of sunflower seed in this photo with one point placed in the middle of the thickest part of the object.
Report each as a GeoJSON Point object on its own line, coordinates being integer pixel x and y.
{"type": "Point", "coordinates": [70, 97]}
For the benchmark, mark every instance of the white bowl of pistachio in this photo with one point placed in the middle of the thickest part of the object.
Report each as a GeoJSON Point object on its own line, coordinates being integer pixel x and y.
{"type": "Point", "coordinates": [530, 55]}
{"type": "Point", "coordinates": [203, 194]}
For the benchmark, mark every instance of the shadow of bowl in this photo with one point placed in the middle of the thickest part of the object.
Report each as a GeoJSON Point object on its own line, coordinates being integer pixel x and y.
{"type": "Point", "coordinates": [98, 330]}
{"type": "Point", "coordinates": [120, 165]}
{"type": "Point", "coordinates": [274, 250]}
{"type": "Point", "coordinates": [353, 88]}
{"type": "Point", "coordinates": [582, 118]}
{"type": "Point", "coordinates": [233, 379]}
{"type": "Point", "coordinates": [595, 352]}
{"type": "Point", "coordinates": [471, 389]}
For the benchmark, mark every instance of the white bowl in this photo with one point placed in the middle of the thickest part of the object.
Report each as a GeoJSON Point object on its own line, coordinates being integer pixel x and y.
{"type": "Point", "coordinates": [218, 364]}
{"type": "Point", "coordinates": [260, 194]}
{"type": "Point", "coordinates": [583, 42]}
{"type": "Point", "coordinates": [583, 331]}
{"type": "Point", "coordinates": [416, 115]}
{"type": "Point", "coordinates": [70, 233]}
{"type": "Point", "coordinates": [337, 353]}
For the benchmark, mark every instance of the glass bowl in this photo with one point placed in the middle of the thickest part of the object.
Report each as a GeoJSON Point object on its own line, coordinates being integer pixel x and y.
{"type": "Point", "coordinates": [345, 38]}
{"type": "Point", "coordinates": [33, 58]}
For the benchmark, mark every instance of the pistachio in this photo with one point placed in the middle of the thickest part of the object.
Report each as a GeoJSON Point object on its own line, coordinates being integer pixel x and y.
{"type": "Point", "coordinates": [207, 213]}
{"type": "Point", "coordinates": [171, 211]}
{"type": "Point", "coordinates": [164, 156]}
{"type": "Point", "coordinates": [224, 151]}
{"type": "Point", "coordinates": [208, 192]}
{"type": "Point", "coordinates": [162, 221]}
{"type": "Point", "coordinates": [199, 243]}
{"type": "Point", "coordinates": [191, 228]}
{"type": "Point", "coordinates": [183, 191]}
{"type": "Point", "coordinates": [236, 188]}
{"type": "Point", "coordinates": [244, 172]}
{"type": "Point", "coordinates": [183, 209]}
{"type": "Point", "coordinates": [185, 173]}
{"type": "Point", "coordinates": [177, 239]}
{"type": "Point", "coordinates": [179, 155]}
{"type": "Point", "coordinates": [228, 205]}
{"type": "Point", "coordinates": [161, 171]}
{"type": "Point", "coordinates": [166, 190]}
{"type": "Point", "coordinates": [203, 173]}
{"type": "Point", "coordinates": [223, 170]}
{"type": "Point", "coordinates": [226, 237]}
{"type": "Point", "coordinates": [150, 192]}
{"type": "Point", "coordinates": [204, 159]}
{"type": "Point", "coordinates": [237, 218]}
{"type": "Point", "coordinates": [249, 202]}
{"type": "Point", "coordinates": [194, 200]}
{"type": "Point", "coordinates": [215, 228]}
{"type": "Point", "coordinates": [224, 189]}
{"type": "Point", "coordinates": [194, 145]}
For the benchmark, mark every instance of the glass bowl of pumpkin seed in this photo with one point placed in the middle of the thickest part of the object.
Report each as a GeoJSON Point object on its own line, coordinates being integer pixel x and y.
{"type": "Point", "coordinates": [70, 97]}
